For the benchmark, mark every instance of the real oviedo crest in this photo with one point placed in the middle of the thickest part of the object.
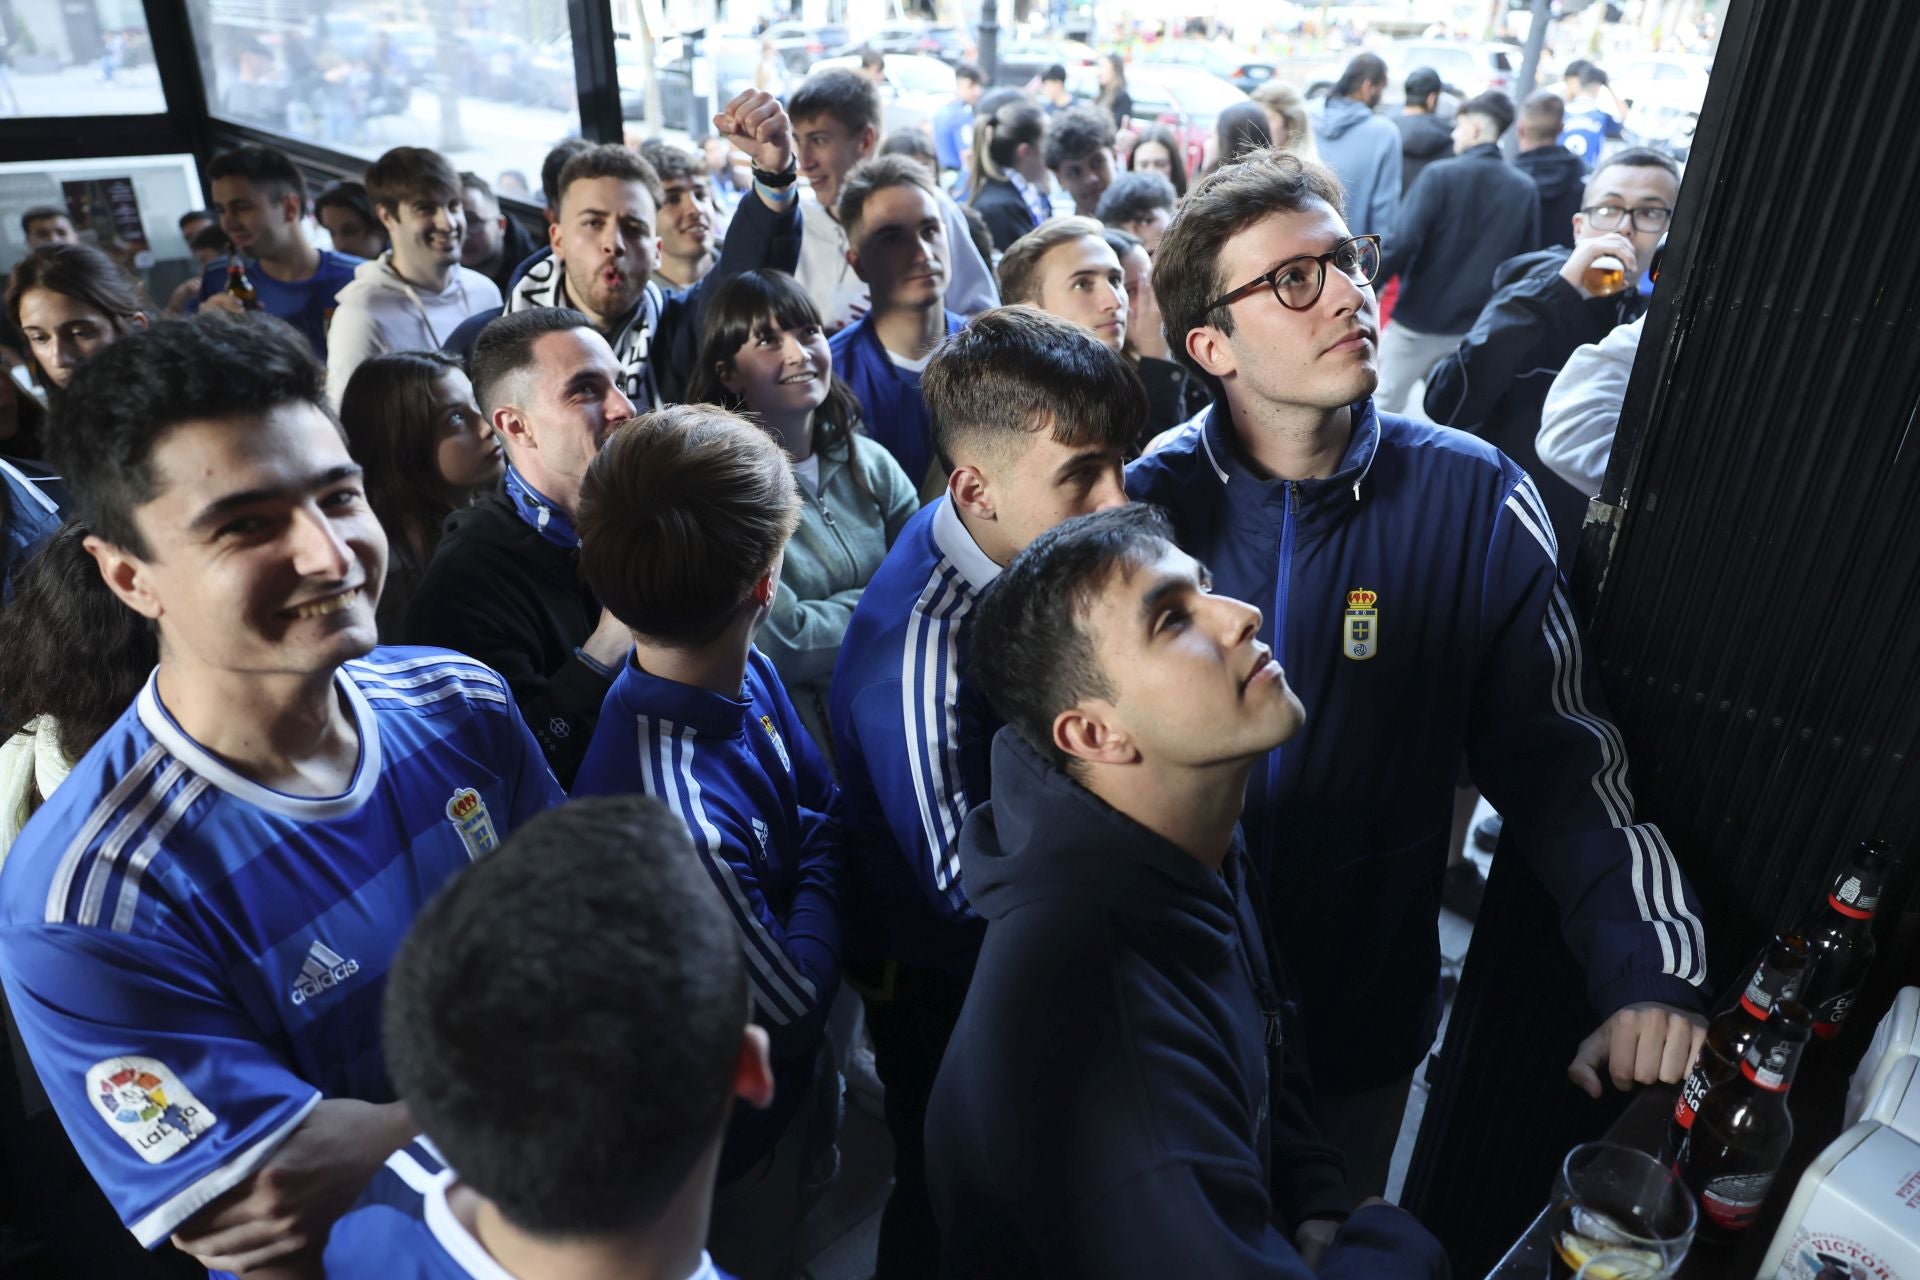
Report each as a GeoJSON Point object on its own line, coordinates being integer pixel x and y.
{"type": "Point", "coordinates": [468, 814]}
{"type": "Point", "coordinates": [1361, 637]}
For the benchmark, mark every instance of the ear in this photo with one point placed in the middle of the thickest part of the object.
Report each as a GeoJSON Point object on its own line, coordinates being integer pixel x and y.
{"type": "Point", "coordinates": [868, 137]}
{"type": "Point", "coordinates": [553, 235]}
{"type": "Point", "coordinates": [729, 376]}
{"type": "Point", "coordinates": [970, 491]}
{"type": "Point", "coordinates": [515, 432]}
{"type": "Point", "coordinates": [390, 219]}
{"type": "Point", "coordinates": [1211, 351]}
{"type": "Point", "coordinates": [125, 575]}
{"type": "Point", "coordinates": [853, 260]}
{"type": "Point", "coordinates": [1087, 732]}
{"type": "Point", "coordinates": [138, 320]}
{"type": "Point", "coordinates": [753, 1070]}
{"type": "Point", "coordinates": [768, 584]}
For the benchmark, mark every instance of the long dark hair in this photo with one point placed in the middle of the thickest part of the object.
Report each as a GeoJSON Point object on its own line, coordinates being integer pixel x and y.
{"type": "Point", "coordinates": [1241, 128]}
{"type": "Point", "coordinates": [388, 412]}
{"type": "Point", "coordinates": [74, 651]}
{"type": "Point", "coordinates": [1165, 137]}
{"type": "Point", "coordinates": [734, 308]}
{"type": "Point", "coordinates": [75, 271]}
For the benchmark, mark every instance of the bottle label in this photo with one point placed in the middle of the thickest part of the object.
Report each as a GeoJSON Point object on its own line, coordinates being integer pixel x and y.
{"type": "Point", "coordinates": [1829, 1014]}
{"type": "Point", "coordinates": [1692, 1090]}
{"type": "Point", "coordinates": [1757, 1000]}
{"type": "Point", "coordinates": [1733, 1201]}
{"type": "Point", "coordinates": [1855, 899]}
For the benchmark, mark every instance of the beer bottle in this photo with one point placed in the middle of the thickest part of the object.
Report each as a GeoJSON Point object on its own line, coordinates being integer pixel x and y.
{"type": "Point", "coordinates": [1743, 1127]}
{"type": "Point", "coordinates": [238, 285]}
{"type": "Point", "coordinates": [1839, 937]}
{"type": "Point", "coordinates": [1778, 976]}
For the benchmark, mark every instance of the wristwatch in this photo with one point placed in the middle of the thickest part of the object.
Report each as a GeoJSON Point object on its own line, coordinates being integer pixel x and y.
{"type": "Point", "coordinates": [781, 180]}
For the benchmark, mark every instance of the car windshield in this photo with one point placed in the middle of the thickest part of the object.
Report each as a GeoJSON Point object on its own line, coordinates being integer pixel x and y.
{"type": "Point", "coordinates": [1197, 92]}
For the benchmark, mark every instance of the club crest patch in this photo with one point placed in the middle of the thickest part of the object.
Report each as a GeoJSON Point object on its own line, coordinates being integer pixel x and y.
{"type": "Point", "coordinates": [766, 722]}
{"type": "Point", "coordinates": [1362, 636]}
{"type": "Point", "coordinates": [468, 814]}
{"type": "Point", "coordinates": [144, 1102]}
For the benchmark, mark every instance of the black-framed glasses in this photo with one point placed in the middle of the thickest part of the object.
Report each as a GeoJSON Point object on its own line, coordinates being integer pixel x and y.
{"type": "Point", "coordinates": [1608, 217]}
{"type": "Point", "coordinates": [1298, 282]}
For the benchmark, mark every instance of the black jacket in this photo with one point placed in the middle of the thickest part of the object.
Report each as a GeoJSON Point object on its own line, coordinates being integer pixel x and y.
{"type": "Point", "coordinates": [1561, 181]}
{"type": "Point", "coordinates": [1004, 212]}
{"type": "Point", "coordinates": [1174, 394]}
{"type": "Point", "coordinates": [1462, 219]}
{"type": "Point", "coordinates": [1120, 1097]}
{"type": "Point", "coordinates": [1496, 381]}
{"type": "Point", "coordinates": [516, 246]}
{"type": "Point", "coordinates": [499, 592]}
{"type": "Point", "coordinates": [1423, 139]}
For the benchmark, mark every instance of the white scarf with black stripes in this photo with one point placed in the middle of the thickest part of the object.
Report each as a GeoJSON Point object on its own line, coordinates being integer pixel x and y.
{"type": "Point", "coordinates": [545, 285]}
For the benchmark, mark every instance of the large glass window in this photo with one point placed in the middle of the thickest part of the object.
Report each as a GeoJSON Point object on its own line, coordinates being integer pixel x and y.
{"type": "Point", "coordinates": [488, 83]}
{"type": "Point", "coordinates": [77, 58]}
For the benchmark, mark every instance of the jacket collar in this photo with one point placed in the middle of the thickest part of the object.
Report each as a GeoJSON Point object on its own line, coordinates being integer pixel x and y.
{"type": "Point", "coordinates": [1483, 151]}
{"type": "Point", "coordinates": [709, 714]}
{"type": "Point", "coordinates": [957, 545]}
{"type": "Point", "coordinates": [1315, 502]}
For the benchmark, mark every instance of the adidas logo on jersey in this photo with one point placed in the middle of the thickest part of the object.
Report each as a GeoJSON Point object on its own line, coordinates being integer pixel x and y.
{"type": "Point", "coordinates": [321, 971]}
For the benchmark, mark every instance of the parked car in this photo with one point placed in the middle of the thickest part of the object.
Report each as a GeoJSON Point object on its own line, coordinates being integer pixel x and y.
{"type": "Point", "coordinates": [1467, 68]}
{"type": "Point", "coordinates": [916, 88]}
{"type": "Point", "coordinates": [1664, 94]}
{"type": "Point", "coordinates": [944, 41]}
{"type": "Point", "coordinates": [1022, 61]}
{"type": "Point", "coordinates": [800, 43]}
{"type": "Point", "coordinates": [1245, 71]}
{"type": "Point", "coordinates": [1187, 100]}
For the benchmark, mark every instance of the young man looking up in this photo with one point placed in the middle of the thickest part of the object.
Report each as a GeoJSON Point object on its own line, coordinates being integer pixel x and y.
{"type": "Point", "coordinates": [1032, 416]}
{"type": "Point", "coordinates": [836, 123]}
{"type": "Point", "coordinates": [1140, 204]}
{"type": "Point", "coordinates": [504, 583]}
{"type": "Point", "coordinates": [1079, 150]}
{"type": "Point", "coordinates": [603, 245]}
{"type": "Point", "coordinates": [1174, 393]}
{"type": "Point", "coordinates": [688, 221]}
{"type": "Point", "coordinates": [1066, 268]}
{"type": "Point", "coordinates": [513, 1175]}
{"type": "Point", "coordinates": [1072, 1130]}
{"type": "Point", "coordinates": [899, 250]}
{"type": "Point", "coordinates": [1361, 526]}
{"type": "Point", "coordinates": [414, 297]}
{"type": "Point", "coordinates": [260, 197]}
{"type": "Point", "coordinates": [195, 927]}
{"type": "Point", "coordinates": [495, 244]}
{"type": "Point", "coordinates": [684, 518]}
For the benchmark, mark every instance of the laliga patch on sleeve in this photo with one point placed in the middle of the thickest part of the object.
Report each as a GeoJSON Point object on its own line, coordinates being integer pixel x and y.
{"type": "Point", "coordinates": [145, 1103]}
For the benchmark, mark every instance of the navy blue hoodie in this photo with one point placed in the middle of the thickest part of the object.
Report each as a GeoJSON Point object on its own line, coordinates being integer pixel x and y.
{"type": "Point", "coordinates": [1118, 1098]}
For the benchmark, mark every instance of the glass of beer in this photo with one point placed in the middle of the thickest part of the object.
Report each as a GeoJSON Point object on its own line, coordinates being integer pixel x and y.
{"type": "Point", "coordinates": [1618, 1214]}
{"type": "Point", "coordinates": [1604, 276]}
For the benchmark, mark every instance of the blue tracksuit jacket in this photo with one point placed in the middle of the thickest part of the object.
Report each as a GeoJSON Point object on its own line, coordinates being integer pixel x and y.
{"type": "Point", "coordinates": [891, 405]}
{"type": "Point", "coordinates": [914, 735]}
{"type": "Point", "coordinates": [757, 796]}
{"type": "Point", "coordinates": [1413, 599]}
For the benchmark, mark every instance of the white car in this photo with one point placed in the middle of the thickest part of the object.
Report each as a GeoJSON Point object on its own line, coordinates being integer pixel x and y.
{"type": "Point", "coordinates": [916, 88]}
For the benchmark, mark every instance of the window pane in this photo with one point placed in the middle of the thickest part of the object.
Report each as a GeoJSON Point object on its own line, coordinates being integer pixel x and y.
{"type": "Point", "coordinates": [77, 58]}
{"type": "Point", "coordinates": [492, 92]}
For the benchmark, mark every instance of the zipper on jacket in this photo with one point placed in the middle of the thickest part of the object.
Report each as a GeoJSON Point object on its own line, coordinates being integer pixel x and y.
{"type": "Point", "coordinates": [1282, 584]}
{"type": "Point", "coordinates": [819, 502]}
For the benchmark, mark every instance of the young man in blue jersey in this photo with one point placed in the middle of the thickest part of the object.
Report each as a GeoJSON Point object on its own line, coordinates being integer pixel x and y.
{"type": "Point", "coordinates": [684, 518]}
{"type": "Point", "coordinates": [890, 211]}
{"type": "Point", "coordinates": [1414, 598]}
{"type": "Point", "coordinates": [1121, 1097]}
{"type": "Point", "coordinates": [195, 928]}
{"type": "Point", "coordinates": [1032, 418]}
{"type": "Point", "coordinates": [510, 1005]}
{"type": "Point", "coordinates": [260, 197]}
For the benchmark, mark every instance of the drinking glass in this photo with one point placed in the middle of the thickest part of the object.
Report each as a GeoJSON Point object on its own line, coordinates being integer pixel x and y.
{"type": "Point", "coordinates": [1618, 1214]}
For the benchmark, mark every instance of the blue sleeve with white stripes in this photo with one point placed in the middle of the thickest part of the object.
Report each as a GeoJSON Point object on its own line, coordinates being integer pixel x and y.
{"type": "Point", "coordinates": [1545, 752]}
{"type": "Point", "coordinates": [813, 903]}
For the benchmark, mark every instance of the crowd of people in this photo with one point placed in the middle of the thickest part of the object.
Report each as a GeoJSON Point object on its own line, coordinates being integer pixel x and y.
{"type": "Point", "coordinates": [498, 730]}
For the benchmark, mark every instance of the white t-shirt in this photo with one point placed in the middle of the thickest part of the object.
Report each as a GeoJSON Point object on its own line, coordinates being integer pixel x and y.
{"type": "Point", "coordinates": [809, 473]}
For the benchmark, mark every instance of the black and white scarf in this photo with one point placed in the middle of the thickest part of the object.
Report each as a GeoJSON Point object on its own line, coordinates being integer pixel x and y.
{"type": "Point", "coordinates": [545, 285]}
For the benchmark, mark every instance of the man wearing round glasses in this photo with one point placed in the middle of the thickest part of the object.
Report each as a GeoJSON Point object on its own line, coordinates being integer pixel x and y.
{"type": "Point", "coordinates": [1407, 577]}
{"type": "Point", "coordinates": [1545, 306]}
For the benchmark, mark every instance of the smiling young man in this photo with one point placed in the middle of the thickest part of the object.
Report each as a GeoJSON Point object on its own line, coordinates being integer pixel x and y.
{"type": "Point", "coordinates": [1066, 268]}
{"type": "Point", "coordinates": [1120, 1097]}
{"type": "Point", "coordinates": [1032, 417]}
{"type": "Point", "coordinates": [195, 929]}
{"type": "Point", "coordinates": [260, 198]}
{"type": "Point", "coordinates": [689, 235]}
{"type": "Point", "coordinates": [604, 239]}
{"type": "Point", "coordinates": [1417, 608]}
{"type": "Point", "coordinates": [900, 249]}
{"type": "Point", "coordinates": [836, 123]}
{"type": "Point", "coordinates": [418, 293]}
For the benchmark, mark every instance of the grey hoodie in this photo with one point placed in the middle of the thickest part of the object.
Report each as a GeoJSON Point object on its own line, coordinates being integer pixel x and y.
{"type": "Point", "coordinates": [1364, 150]}
{"type": "Point", "coordinates": [379, 312]}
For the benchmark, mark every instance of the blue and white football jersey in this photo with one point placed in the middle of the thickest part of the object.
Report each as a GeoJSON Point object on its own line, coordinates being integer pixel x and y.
{"type": "Point", "coordinates": [402, 1228]}
{"type": "Point", "coordinates": [195, 960]}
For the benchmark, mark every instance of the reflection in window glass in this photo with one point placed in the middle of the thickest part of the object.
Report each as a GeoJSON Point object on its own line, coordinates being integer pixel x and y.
{"type": "Point", "coordinates": [489, 85]}
{"type": "Point", "coordinates": [77, 58]}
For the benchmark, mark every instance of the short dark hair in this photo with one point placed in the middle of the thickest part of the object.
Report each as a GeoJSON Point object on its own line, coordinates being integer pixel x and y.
{"type": "Point", "coordinates": [406, 174]}
{"type": "Point", "coordinates": [1078, 132]}
{"type": "Point", "coordinates": [1056, 72]}
{"type": "Point", "coordinates": [550, 169]}
{"type": "Point", "coordinates": [1030, 651]}
{"type": "Point", "coordinates": [565, 1016]}
{"type": "Point", "coordinates": [194, 215]}
{"type": "Point", "coordinates": [1019, 274]}
{"type": "Point", "coordinates": [211, 239]}
{"type": "Point", "coordinates": [504, 347]}
{"type": "Point", "coordinates": [1592, 74]}
{"type": "Point", "coordinates": [351, 196]}
{"type": "Point", "coordinates": [608, 160]}
{"type": "Point", "coordinates": [1543, 115]}
{"type": "Point", "coordinates": [1016, 370]}
{"type": "Point", "coordinates": [1577, 69]}
{"type": "Point", "coordinates": [1122, 242]}
{"type": "Point", "coordinates": [1134, 196]}
{"type": "Point", "coordinates": [120, 403]}
{"type": "Point", "coordinates": [1364, 69]}
{"type": "Point", "coordinates": [969, 71]}
{"type": "Point", "coordinates": [1635, 158]}
{"type": "Point", "coordinates": [1186, 270]}
{"type": "Point", "coordinates": [263, 166]}
{"type": "Point", "coordinates": [74, 651]}
{"type": "Point", "coordinates": [847, 96]}
{"type": "Point", "coordinates": [912, 144]}
{"type": "Point", "coordinates": [40, 213]}
{"type": "Point", "coordinates": [878, 174]}
{"type": "Point", "coordinates": [471, 181]}
{"type": "Point", "coordinates": [672, 162]}
{"type": "Point", "coordinates": [682, 511]}
{"type": "Point", "coordinates": [1494, 105]}
{"type": "Point", "coordinates": [1422, 83]}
